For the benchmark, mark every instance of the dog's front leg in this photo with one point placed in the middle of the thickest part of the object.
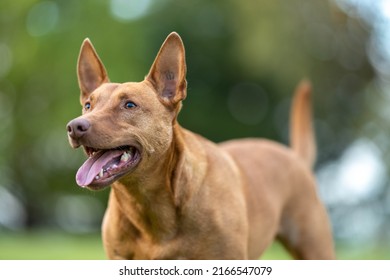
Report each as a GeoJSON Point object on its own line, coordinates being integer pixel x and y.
{"type": "Point", "coordinates": [117, 234]}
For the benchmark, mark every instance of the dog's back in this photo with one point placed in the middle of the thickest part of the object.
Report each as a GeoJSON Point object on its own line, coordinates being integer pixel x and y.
{"type": "Point", "coordinates": [281, 193]}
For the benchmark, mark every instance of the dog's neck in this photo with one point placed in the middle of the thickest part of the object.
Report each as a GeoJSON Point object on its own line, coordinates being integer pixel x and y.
{"type": "Point", "coordinates": [152, 203]}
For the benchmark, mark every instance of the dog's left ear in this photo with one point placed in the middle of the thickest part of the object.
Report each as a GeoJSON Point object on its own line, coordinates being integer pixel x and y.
{"type": "Point", "coordinates": [168, 72]}
{"type": "Point", "coordinates": [90, 70]}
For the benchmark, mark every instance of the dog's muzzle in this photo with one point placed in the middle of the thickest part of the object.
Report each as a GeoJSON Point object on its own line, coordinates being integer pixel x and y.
{"type": "Point", "coordinates": [77, 128]}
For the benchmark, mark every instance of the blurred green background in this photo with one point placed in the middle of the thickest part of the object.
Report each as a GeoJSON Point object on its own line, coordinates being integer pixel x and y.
{"type": "Point", "coordinates": [244, 60]}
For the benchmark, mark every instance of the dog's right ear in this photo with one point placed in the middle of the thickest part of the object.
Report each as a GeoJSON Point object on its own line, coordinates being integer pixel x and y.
{"type": "Point", "coordinates": [90, 70]}
{"type": "Point", "coordinates": [168, 72]}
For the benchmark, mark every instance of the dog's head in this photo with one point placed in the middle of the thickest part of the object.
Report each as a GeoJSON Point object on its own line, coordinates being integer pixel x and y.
{"type": "Point", "coordinates": [126, 128]}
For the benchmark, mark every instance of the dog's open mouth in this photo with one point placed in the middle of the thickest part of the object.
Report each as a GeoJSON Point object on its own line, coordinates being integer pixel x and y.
{"type": "Point", "coordinates": [103, 167]}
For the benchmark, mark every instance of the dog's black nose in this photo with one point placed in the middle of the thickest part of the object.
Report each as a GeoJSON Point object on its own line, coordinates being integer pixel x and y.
{"type": "Point", "coordinates": [78, 127]}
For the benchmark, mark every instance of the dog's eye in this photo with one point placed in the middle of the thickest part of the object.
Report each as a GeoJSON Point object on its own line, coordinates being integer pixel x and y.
{"type": "Point", "coordinates": [87, 106]}
{"type": "Point", "coordinates": [130, 105]}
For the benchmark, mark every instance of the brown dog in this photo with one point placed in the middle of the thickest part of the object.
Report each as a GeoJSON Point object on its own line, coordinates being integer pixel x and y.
{"type": "Point", "coordinates": [175, 194]}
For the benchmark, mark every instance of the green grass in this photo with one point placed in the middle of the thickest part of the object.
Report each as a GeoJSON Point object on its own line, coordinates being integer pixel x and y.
{"type": "Point", "coordinates": [49, 245]}
{"type": "Point", "coordinates": [276, 252]}
{"type": "Point", "coordinates": [343, 252]}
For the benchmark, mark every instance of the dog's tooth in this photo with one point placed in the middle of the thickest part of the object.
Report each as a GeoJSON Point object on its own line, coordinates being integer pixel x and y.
{"type": "Point", "coordinates": [97, 177]}
{"type": "Point", "coordinates": [125, 156]}
{"type": "Point", "coordinates": [101, 172]}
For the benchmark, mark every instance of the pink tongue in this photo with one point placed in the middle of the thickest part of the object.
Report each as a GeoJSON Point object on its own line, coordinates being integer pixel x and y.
{"type": "Point", "coordinates": [92, 166]}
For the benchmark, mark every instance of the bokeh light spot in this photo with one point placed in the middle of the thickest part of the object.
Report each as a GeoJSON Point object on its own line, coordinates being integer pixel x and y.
{"type": "Point", "coordinates": [42, 18]}
{"type": "Point", "coordinates": [127, 10]}
{"type": "Point", "coordinates": [12, 212]}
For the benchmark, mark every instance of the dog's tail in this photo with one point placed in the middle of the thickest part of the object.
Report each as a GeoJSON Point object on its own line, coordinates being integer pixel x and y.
{"type": "Point", "coordinates": [302, 138]}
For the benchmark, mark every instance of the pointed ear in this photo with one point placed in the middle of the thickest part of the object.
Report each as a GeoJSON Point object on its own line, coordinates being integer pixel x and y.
{"type": "Point", "coordinates": [168, 72]}
{"type": "Point", "coordinates": [90, 70]}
